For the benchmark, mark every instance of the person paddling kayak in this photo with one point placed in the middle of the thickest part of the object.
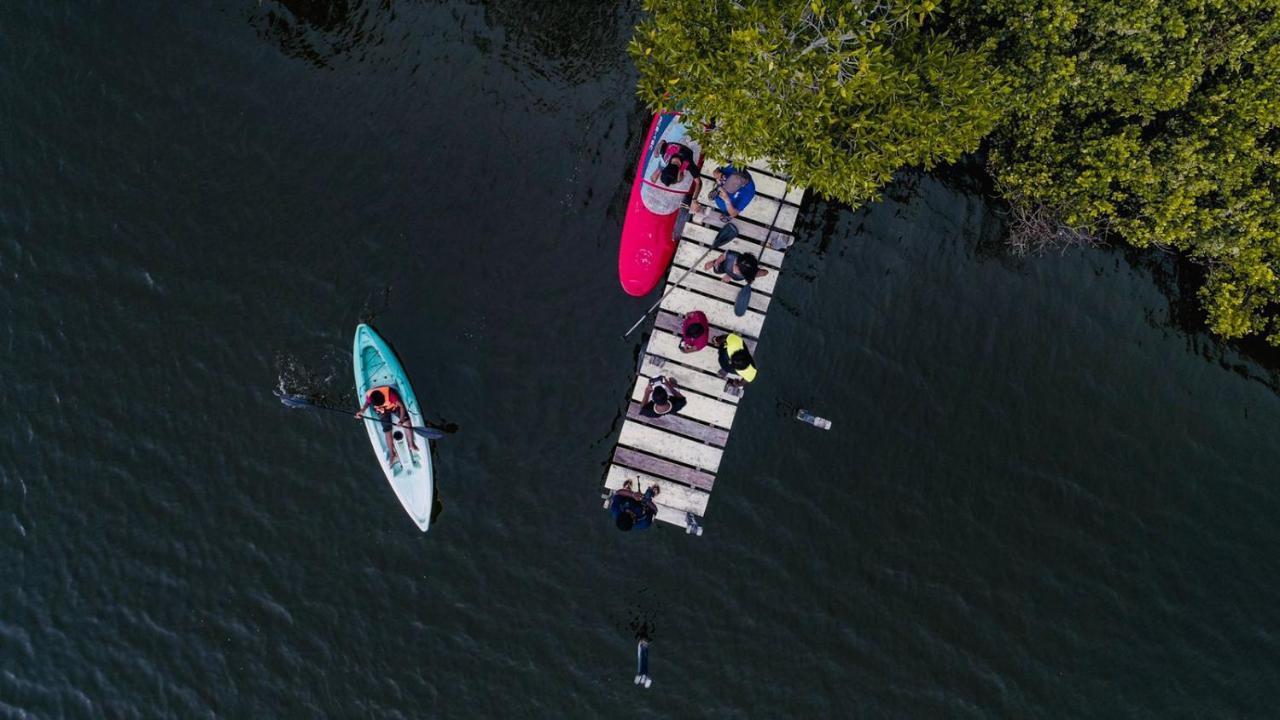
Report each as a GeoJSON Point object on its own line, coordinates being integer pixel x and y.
{"type": "Point", "coordinates": [386, 403]}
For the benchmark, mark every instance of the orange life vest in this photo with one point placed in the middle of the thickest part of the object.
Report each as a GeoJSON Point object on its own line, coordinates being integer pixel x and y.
{"type": "Point", "coordinates": [390, 400]}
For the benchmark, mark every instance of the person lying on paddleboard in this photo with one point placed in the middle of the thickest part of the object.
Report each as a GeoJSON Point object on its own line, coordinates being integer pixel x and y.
{"type": "Point", "coordinates": [386, 403]}
{"type": "Point", "coordinates": [661, 397]}
{"type": "Point", "coordinates": [631, 510]}
{"type": "Point", "coordinates": [677, 162]}
{"type": "Point", "coordinates": [694, 332]}
{"type": "Point", "coordinates": [678, 176]}
{"type": "Point", "coordinates": [733, 266]}
{"type": "Point", "coordinates": [734, 357]}
{"type": "Point", "coordinates": [733, 191]}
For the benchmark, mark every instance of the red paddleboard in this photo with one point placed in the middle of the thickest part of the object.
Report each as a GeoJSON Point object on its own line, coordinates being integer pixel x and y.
{"type": "Point", "coordinates": [648, 232]}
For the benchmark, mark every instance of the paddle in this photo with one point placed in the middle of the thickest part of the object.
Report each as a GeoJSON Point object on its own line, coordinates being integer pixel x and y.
{"type": "Point", "coordinates": [298, 401]}
{"type": "Point", "coordinates": [726, 234]}
{"type": "Point", "coordinates": [744, 295]}
{"type": "Point", "coordinates": [742, 301]}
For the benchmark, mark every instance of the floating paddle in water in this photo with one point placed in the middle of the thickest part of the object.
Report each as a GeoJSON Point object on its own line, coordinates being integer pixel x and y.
{"type": "Point", "coordinates": [726, 234]}
{"type": "Point", "coordinates": [298, 401]}
{"type": "Point", "coordinates": [807, 417]}
{"type": "Point", "coordinates": [642, 663]}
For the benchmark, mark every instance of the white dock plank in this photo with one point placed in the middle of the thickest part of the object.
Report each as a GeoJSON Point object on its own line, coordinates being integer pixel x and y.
{"type": "Point", "coordinates": [672, 494]}
{"type": "Point", "coordinates": [665, 514]}
{"type": "Point", "coordinates": [719, 312]}
{"type": "Point", "coordinates": [722, 290]}
{"type": "Point", "coordinates": [761, 210]}
{"type": "Point", "coordinates": [689, 253]}
{"type": "Point", "coordinates": [690, 379]}
{"type": "Point", "coordinates": [703, 236]}
{"type": "Point", "coordinates": [667, 346]}
{"type": "Point", "coordinates": [699, 407]}
{"type": "Point", "coordinates": [664, 444]}
{"type": "Point", "coordinates": [766, 180]}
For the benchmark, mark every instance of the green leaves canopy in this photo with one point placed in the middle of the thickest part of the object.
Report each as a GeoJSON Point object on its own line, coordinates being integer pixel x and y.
{"type": "Point", "coordinates": [1157, 121]}
{"type": "Point", "coordinates": [841, 96]}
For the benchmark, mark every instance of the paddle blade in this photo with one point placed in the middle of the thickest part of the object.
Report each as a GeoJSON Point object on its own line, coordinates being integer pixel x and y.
{"type": "Point", "coordinates": [742, 301]}
{"type": "Point", "coordinates": [726, 234]}
{"type": "Point", "coordinates": [292, 401]}
{"type": "Point", "coordinates": [429, 433]}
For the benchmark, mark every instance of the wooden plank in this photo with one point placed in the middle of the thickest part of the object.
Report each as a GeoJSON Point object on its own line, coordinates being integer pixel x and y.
{"type": "Point", "coordinates": [697, 381]}
{"type": "Point", "coordinates": [666, 445]}
{"type": "Point", "coordinates": [768, 181]}
{"type": "Point", "coordinates": [665, 514]}
{"type": "Point", "coordinates": [722, 290]}
{"type": "Point", "coordinates": [699, 406]}
{"type": "Point", "coordinates": [766, 184]}
{"type": "Point", "coordinates": [659, 467]}
{"type": "Point", "coordinates": [747, 230]}
{"type": "Point", "coordinates": [666, 345]}
{"type": "Point", "coordinates": [676, 496]}
{"type": "Point", "coordinates": [761, 210]}
{"type": "Point", "coordinates": [758, 285]}
{"type": "Point", "coordinates": [703, 235]}
{"type": "Point", "coordinates": [682, 425]}
{"type": "Point", "coordinates": [689, 253]}
{"type": "Point", "coordinates": [672, 323]}
{"type": "Point", "coordinates": [720, 313]}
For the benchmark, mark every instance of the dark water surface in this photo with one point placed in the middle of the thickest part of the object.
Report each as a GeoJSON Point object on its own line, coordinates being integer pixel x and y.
{"type": "Point", "coordinates": [1040, 499]}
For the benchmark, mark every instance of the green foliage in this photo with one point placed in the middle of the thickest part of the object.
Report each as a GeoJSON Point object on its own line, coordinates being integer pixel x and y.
{"type": "Point", "coordinates": [1155, 120]}
{"type": "Point", "coordinates": [839, 94]}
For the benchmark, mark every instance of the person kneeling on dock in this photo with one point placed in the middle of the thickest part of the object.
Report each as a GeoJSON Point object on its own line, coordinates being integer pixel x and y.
{"type": "Point", "coordinates": [734, 357]}
{"type": "Point", "coordinates": [661, 397]}
{"type": "Point", "coordinates": [631, 510]}
{"type": "Point", "coordinates": [731, 266]}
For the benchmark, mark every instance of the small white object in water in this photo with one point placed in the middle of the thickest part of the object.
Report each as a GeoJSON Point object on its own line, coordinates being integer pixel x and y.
{"type": "Point", "coordinates": [808, 417]}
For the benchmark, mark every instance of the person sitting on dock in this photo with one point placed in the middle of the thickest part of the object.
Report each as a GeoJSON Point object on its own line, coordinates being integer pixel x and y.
{"type": "Point", "coordinates": [735, 357]}
{"type": "Point", "coordinates": [694, 332]}
{"type": "Point", "coordinates": [661, 397]}
{"type": "Point", "coordinates": [734, 190]}
{"type": "Point", "coordinates": [733, 266]}
{"type": "Point", "coordinates": [631, 510]}
{"type": "Point", "coordinates": [386, 403]}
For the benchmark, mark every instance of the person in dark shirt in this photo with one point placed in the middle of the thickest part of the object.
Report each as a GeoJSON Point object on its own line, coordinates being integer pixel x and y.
{"type": "Point", "coordinates": [733, 265]}
{"type": "Point", "coordinates": [661, 397]}
{"type": "Point", "coordinates": [632, 510]}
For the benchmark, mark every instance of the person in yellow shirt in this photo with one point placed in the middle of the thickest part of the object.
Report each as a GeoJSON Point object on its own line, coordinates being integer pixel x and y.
{"type": "Point", "coordinates": [735, 358]}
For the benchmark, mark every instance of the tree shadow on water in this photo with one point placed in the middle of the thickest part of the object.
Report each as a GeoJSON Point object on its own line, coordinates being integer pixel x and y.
{"type": "Point", "coordinates": [321, 31]}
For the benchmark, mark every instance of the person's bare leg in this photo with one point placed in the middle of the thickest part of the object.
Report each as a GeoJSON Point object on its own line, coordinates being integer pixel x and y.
{"type": "Point", "coordinates": [391, 447]}
{"type": "Point", "coordinates": [404, 422]}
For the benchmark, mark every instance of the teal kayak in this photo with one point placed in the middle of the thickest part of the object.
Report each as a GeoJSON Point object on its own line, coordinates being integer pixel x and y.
{"type": "Point", "coordinates": [376, 365]}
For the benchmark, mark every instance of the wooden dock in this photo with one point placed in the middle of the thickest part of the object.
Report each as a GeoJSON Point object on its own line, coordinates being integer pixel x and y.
{"type": "Point", "coordinates": [681, 452]}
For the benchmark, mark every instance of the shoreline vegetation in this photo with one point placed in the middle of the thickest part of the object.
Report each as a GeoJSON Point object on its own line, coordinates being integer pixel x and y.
{"type": "Point", "coordinates": [1154, 125]}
